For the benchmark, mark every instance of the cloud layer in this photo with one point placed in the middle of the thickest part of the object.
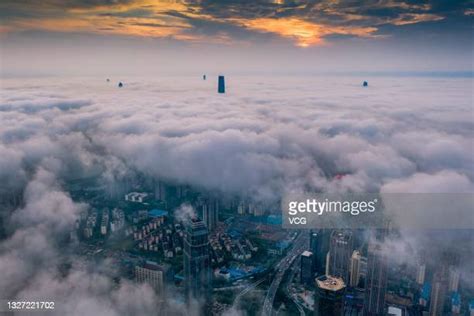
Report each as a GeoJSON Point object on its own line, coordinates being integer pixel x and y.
{"type": "Point", "coordinates": [264, 137]}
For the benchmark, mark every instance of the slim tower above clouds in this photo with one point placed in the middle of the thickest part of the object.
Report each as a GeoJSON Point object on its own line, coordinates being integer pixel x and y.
{"type": "Point", "coordinates": [221, 85]}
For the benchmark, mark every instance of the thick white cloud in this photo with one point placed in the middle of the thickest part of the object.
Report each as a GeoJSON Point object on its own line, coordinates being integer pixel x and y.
{"type": "Point", "coordinates": [261, 137]}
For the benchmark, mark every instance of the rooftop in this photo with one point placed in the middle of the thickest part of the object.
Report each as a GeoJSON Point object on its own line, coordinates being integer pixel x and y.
{"type": "Point", "coordinates": [341, 235]}
{"type": "Point", "coordinates": [330, 283]}
{"type": "Point", "coordinates": [456, 299]}
{"type": "Point", "coordinates": [151, 265]}
{"type": "Point", "coordinates": [157, 213]}
{"type": "Point", "coordinates": [395, 311]}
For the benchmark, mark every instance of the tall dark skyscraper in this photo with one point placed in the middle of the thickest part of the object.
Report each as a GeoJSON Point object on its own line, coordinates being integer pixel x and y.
{"type": "Point", "coordinates": [197, 272]}
{"type": "Point", "coordinates": [314, 245]}
{"type": "Point", "coordinates": [210, 213]}
{"type": "Point", "coordinates": [307, 272]}
{"type": "Point", "coordinates": [340, 251]}
{"type": "Point", "coordinates": [221, 85]}
{"type": "Point", "coordinates": [319, 246]}
{"type": "Point", "coordinates": [376, 281]}
{"type": "Point", "coordinates": [329, 298]}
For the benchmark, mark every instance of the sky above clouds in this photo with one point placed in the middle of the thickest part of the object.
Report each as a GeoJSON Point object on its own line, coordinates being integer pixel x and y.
{"type": "Point", "coordinates": [140, 36]}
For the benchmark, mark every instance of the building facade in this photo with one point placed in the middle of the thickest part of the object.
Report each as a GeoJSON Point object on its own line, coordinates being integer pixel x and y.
{"type": "Point", "coordinates": [376, 281]}
{"type": "Point", "coordinates": [329, 297]}
{"type": "Point", "coordinates": [340, 251]}
{"type": "Point", "coordinates": [307, 272]}
{"type": "Point", "coordinates": [356, 259]}
{"type": "Point", "coordinates": [152, 274]}
{"type": "Point", "coordinates": [197, 272]}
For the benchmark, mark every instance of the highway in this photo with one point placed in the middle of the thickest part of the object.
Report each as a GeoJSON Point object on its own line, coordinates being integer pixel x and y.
{"type": "Point", "coordinates": [295, 271]}
{"type": "Point", "coordinates": [299, 245]}
{"type": "Point", "coordinates": [249, 288]}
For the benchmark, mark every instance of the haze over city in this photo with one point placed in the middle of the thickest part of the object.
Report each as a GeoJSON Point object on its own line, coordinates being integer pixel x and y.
{"type": "Point", "coordinates": [147, 149]}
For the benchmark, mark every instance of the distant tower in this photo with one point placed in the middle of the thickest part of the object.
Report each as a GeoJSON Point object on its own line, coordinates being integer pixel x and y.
{"type": "Point", "coordinates": [204, 77]}
{"type": "Point", "coordinates": [438, 293]}
{"type": "Point", "coordinates": [376, 281]}
{"type": "Point", "coordinates": [356, 259]}
{"type": "Point", "coordinates": [307, 268]}
{"type": "Point", "coordinates": [365, 84]}
{"type": "Point", "coordinates": [340, 251]}
{"type": "Point", "coordinates": [221, 85]}
{"type": "Point", "coordinates": [120, 84]}
{"type": "Point", "coordinates": [329, 298]}
{"type": "Point", "coordinates": [210, 213]}
{"type": "Point", "coordinates": [108, 80]}
{"type": "Point", "coordinates": [197, 272]}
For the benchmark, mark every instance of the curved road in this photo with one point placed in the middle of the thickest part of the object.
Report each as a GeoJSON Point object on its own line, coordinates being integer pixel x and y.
{"type": "Point", "coordinates": [249, 288]}
{"type": "Point", "coordinates": [299, 245]}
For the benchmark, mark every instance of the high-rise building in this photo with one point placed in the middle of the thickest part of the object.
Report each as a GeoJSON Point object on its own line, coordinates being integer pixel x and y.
{"type": "Point", "coordinates": [210, 213]}
{"type": "Point", "coordinates": [242, 208]}
{"type": "Point", "coordinates": [160, 191]}
{"type": "Point", "coordinates": [197, 272]}
{"type": "Point", "coordinates": [258, 210]}
{"type": "Point", "coordinates": [329, 297]}
{"type": "Point", "coordinates": [319, 246]}
{"type": "Point", "coordinates": [356, 259]}
{"type": "Point", "coordinates": [420, 274]}
{"type": "Point", "coordinates": [221, 85]}
{"type": "Point", "coordinates": [438, 292]}
{"type": "Point", "coordinates": [152, 274]}
{"type": "Point", "coordinates": [454, 276]}
{"type": "Point", "coordinates": [340, 251]}
{"type": "Point", "coordinates": [375, 281]}
{"type": "Point", "coordinates": [307, 272]}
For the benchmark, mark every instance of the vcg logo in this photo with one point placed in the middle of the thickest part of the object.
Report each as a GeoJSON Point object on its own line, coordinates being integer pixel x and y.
{"type": "Point", "coordinates": [297, 220]}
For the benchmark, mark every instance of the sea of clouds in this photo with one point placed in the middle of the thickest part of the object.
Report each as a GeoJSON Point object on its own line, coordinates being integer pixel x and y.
{"type": "Point", "coordinates": [263, 138]}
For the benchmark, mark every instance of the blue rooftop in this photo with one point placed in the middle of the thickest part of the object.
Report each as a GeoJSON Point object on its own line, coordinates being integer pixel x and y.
{"type": "Point", "coordinates": [456, 299]}
{"type": "Point", "coordinates": [233, 233]}
{"type": "Point", "coordinates": [283, 244]}
{"type": "Point", "coordinates": [237, 273]}
{"type": "Point", "coordinates": [157, 213]}
{"type": "Point", "coordinates": [426, 291]}
{"type": "Point", "coordinates": [267, 219]}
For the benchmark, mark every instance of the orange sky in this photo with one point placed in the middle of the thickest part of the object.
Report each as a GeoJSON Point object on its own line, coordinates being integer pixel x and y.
{"type": "Point", "coordinates": [171, 19]}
